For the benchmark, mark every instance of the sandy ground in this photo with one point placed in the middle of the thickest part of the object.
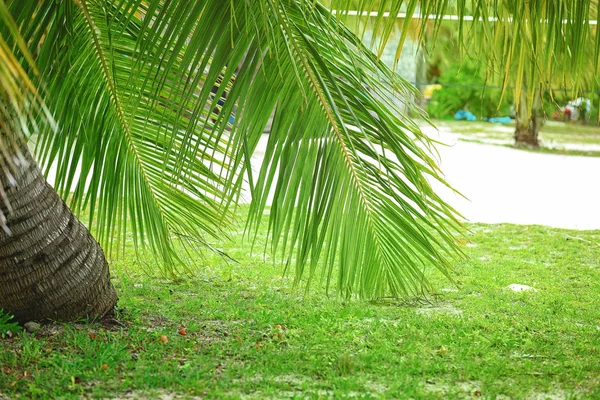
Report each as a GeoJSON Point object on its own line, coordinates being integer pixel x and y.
{"type": "Point", "coordinates": [520, 187]}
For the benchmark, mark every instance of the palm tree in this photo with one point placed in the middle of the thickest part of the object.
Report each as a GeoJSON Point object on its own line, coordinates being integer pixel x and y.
{"type": "Point", "coordinates": [50, 266]}
{"type": "Point", "coordinates": [130, 84]}
{"type": "Point", "coordinates": [533, 46]}
{"type": "Point", "coordinates": [529, 46]}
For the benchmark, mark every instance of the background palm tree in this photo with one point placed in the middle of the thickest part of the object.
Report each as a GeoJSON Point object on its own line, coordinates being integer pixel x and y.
{"type": "Point", "coordinates": [534, 47]}
{"type": "Point", "coordinates": [525, 45]}
{"type": "Point", "coordinates": [130, 85]}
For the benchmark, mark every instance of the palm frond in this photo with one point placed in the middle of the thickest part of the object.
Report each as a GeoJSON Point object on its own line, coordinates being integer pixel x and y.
{"type": "Point", "coordinates": [139, 142]}
{"type": "Point", "coordinates": [350, 173]}
{"type": "Point", "coordinates": [135, 85]}
{"type": "Point", "coordinates": [20, 104]}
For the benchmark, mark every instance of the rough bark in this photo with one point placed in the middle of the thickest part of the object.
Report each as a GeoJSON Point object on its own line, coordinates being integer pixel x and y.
{"type": "Point", "coordinates": [50, 265]}
{"type": "Point", "coordinates": [527, 135]}
{"type": "Point", "coordinates": [528, 126]}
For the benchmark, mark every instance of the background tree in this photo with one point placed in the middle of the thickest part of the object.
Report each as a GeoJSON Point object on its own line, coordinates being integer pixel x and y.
{"type": "Point", "coordinates": [529, 46]}
{"type": "Point", "coordinates": [534, 47]}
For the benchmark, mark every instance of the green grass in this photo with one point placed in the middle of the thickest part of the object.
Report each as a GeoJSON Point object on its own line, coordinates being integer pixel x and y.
{"type": "Point", "coordinates": [555, 137]}
{"type": "Point", "coordinates": [475, 339]}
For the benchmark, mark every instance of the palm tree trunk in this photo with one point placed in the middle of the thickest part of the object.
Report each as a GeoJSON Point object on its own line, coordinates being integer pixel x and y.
{"type": "Point", "coordinates": [50, 265]}
{"type": "Point", "coordinates": [528, 127]}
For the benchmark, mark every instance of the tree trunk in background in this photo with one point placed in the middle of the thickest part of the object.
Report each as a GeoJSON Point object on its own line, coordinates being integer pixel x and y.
{"type": "Point", "coordinates": [528, 128]}
{"type": "Point", "coordinates": [50, 265]}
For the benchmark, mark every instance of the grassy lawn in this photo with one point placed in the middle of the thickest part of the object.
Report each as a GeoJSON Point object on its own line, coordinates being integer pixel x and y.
{"type": "Point", "coordinates": [249, 335]}
{"type": "Point", "coordinates": [556, 137]}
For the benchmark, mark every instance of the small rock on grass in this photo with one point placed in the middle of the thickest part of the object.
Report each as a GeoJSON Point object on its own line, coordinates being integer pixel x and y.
{"type": "Point", "coordinates": [515, 287]}
{"type": "Point", "coordinates": [32, 327]}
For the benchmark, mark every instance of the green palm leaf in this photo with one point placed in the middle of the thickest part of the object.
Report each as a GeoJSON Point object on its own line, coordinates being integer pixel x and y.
{"type": "Point", "coordinates": [135, 120]}
{"type": "Point", "coordinates": [350, 176]}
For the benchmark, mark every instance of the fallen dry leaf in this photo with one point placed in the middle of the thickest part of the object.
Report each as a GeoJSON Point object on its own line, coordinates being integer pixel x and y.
{"type": "Point", "coordinates": [441, 351]}
{"type": "Point", "coordinates": [104, 367]}
{"type": "Point", "coordinates": [182, 331]}
{"type": "Point", "coordinates": [163, 339]}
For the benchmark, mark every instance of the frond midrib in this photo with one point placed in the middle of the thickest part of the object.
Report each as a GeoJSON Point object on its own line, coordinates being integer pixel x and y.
{"type": "Point", "coordinates": [117, 103]}
{"type": "Point", "coordinates": [339, 136]}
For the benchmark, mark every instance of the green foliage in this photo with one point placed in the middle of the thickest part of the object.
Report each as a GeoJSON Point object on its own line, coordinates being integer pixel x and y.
{"type": "Point", "coordinates": [544, 41]}
{"type": "Point", "coordinates": [464, 88]}
{"type": "Point", "coordinates": [6, 324]}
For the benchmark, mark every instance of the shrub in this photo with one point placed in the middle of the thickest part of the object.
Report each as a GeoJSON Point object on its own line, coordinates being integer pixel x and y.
{"type": "Point", "coordinates": [464, 88]}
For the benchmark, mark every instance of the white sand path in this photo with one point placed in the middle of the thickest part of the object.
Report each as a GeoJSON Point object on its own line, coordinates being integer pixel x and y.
{"type": "Point", "coordinates": [520, 187]}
